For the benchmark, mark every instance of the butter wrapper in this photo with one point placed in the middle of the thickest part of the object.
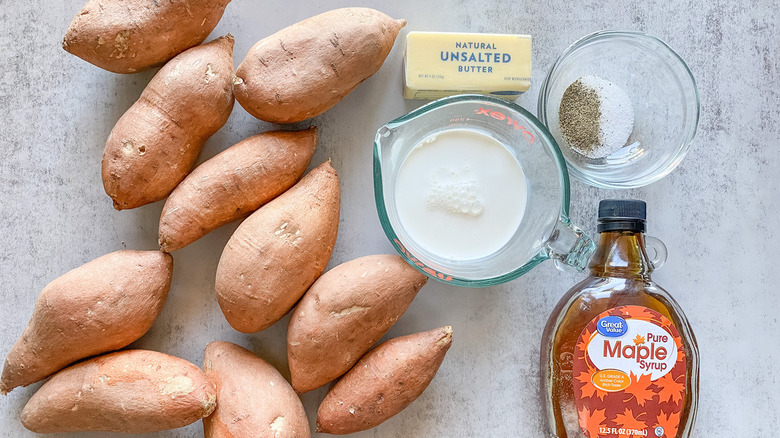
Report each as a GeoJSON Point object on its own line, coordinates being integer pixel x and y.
{"type": "Point", "coordinates": [439, 64]}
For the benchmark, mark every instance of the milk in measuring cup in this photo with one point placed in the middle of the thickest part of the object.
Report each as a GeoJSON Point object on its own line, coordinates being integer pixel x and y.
{"type": "Point", "coordinates": [460, 194]}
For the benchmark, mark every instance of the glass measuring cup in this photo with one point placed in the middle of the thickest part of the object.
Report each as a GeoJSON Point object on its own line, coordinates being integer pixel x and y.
{"type": "Point", "coordinates": [545, 231]}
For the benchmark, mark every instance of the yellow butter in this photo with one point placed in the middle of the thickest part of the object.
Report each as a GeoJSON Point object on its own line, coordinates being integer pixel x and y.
{"type": "Point", "coordinates": [438, 64]}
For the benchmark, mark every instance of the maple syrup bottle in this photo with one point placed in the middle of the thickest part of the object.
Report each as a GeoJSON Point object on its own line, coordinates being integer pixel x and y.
{"type": "Point", "coordinates": [619, 359]}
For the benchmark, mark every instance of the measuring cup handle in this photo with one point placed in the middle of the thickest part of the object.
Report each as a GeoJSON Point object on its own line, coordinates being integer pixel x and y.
{"type": "Point", "coordinates": [656, 251]}
{"type": "Point", "coordinates": [569, 246]}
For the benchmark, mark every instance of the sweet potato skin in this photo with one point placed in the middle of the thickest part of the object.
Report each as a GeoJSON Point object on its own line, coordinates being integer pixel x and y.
{"type": "Point", "coordinates": [129, 36]}
{"type": "Point", "coordinates": [100, 306]}
{"type": "Point", "coordinates": [253, 399]}
{"type": "Point", "coordinates": [307, 68]}
{"type": "Point", "coordinates": [278, 251]}
{"type": "Point", "coordinates": [132, 391]}
{"type": "Point", "coordinates": [156, 142]}
{"type": "Point", "coordinates": [233, 184]}
{"type": "Point", "coordinates": [344, 313]}
{"type": "Point", "coordinates": [383, 382]}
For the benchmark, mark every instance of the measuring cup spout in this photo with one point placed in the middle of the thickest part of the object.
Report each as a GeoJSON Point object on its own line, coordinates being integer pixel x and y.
{"type": "Point", "coordinates": [569, 246]}
{"type": "Point", "coordinates": [383, 135]}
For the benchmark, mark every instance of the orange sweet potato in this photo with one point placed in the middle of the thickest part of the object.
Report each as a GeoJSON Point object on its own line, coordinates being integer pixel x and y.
{"type": "Point", "coordinates": [304, 69]}
{"type": "Point", "coordinates": [133, 391]}
{"type": "Point", "coordinates": [156, 142]}
{"type": "Point", "coordinates": [278, 252]}
{"type": "Point", "coordinates": [233, 184]}
{"type": "Point", "coordinates": [253, 399]}
{"type": "Point", "coordinates": [383, 382]}
{"type": "Point", "coordinates": [133, 35]}
{"type": "Point", "coordinates": [101, 306]}
{"type": "Point", "coordinates": [344, 313]}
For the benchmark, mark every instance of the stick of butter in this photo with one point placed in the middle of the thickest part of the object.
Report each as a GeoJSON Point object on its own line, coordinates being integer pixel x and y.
{"type": "Point", "coordinates": [439, 64]}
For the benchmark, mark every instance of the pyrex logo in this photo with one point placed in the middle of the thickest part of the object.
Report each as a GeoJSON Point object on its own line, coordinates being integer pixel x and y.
{"type": "Point", "coordinates": [642, 348]}
{"type": "Point", "coordinates": [432, 272]}
{"type": "Point", "coordinates": [498, 115]}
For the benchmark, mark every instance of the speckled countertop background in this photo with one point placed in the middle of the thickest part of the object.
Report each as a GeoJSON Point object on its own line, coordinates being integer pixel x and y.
{"type": "Point", "coordinates": [717, 212]}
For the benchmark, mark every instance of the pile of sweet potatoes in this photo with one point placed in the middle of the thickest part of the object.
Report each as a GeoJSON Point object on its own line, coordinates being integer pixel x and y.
{"type": "Point", "coordinates": [274, 260]}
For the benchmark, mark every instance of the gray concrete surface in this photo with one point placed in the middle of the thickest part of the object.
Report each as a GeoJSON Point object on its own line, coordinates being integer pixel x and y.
{"type": "Point", "coordinates": [717, 212]}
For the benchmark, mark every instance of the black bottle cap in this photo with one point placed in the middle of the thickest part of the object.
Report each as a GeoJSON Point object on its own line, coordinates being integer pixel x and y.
{"type": "Point", "coordinates": [622, 215]}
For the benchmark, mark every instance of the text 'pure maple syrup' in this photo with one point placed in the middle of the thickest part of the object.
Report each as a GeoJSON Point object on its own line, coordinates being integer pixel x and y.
{"type": "Point", "coordinates": [619, 359]}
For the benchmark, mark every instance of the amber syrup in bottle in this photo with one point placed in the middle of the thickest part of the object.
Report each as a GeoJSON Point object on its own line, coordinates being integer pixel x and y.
{"type": "Point", "coordinates": [618, 357]}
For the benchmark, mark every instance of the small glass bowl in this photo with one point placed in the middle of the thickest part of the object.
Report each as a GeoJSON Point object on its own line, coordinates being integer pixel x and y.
{"type": "Point", "coordinates": [662, 91]}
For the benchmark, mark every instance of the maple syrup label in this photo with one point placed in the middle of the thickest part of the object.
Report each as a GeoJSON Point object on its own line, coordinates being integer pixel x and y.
{"type": "Point", "coordinates": [629, 375]}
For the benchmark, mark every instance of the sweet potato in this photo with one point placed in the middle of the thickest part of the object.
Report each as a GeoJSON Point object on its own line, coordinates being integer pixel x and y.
{"type": "Point", "coordinates": [304, 69]}
{"type": "Point", "coordinates": [101, 306]}
{"type": "Point", "coordinates": [233, 184]}
{"type": "Point", "coordinates": [156, 142]}
{"type": "Point", "coordinates": [253, 399]}
{"type": "Point", "coordinates": [133, 391]}
{"type": "Point", "coordinates": [128, 36]}
{"type": "Point", "coordinates": [278, 252]}
{"type": "Point", "coordinates": [344, 313]}
{"type": "Point", "coordinates": [383, 382]}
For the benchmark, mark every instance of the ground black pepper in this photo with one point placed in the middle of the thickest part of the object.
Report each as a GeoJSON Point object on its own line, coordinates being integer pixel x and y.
{"type": "Point", "coordinates": [580, 117]}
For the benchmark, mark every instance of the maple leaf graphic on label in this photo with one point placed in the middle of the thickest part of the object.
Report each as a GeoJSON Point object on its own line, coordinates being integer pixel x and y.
{"type": "Point", "coordinates": [585, 338]}
{"type": "Point", "coordinates": [639, 340]}
{"type": "Point", "coordinates": [670, 388]}
{"type": "Point", "coordinates": [588, 389]}
{"type": "Point", "coordinates": [639, 312]}
{"type": "Point", "coordinates": [583, 377]}
{"type": "Point", "coordinates": [669, 422]}
{"type": "Point", "coordinates": [582, 342]}
{"type": "Point", "coordinates": [591, 421]}
{"type": "Point", "coordinates": [628, 421]}
{"type": "Point", "coordinates": [639, 388]}
{"type": "Point", "coordinates": [680, 356]}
